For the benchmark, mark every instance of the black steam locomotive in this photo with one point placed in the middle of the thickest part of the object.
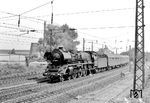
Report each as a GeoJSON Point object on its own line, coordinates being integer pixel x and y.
{"type": "Point", "coordinates": [65, 65]}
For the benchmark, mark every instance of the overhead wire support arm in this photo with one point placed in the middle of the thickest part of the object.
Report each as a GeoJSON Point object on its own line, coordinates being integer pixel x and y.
{"type": "Point", "coordinates": [24, 13]}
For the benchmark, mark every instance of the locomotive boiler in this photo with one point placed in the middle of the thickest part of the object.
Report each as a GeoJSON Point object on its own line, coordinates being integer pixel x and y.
{"type": "Point", "coordinates": [65, 65]}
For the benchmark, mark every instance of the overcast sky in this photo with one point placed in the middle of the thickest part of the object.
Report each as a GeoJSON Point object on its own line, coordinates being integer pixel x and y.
{"type": "Point", "coordinates": [91, 18]}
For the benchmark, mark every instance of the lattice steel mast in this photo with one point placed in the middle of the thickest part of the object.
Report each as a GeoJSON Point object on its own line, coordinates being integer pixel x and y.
{"type": "Point", "coordinates": [139, 72]}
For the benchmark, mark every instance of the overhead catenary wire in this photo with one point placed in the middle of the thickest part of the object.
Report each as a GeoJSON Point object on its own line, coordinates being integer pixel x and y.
{"type": "Point", "coordinates": [22, 28]}
{"type": "Point", "coordinates": [14, 41]}
{"type": "Point", "coordinates": [101, 41]}
{"type": "Point", "coordinates": [111, 27]}
{"type": "Point", "coordinates": [14, 15]}
{"type": "Point", "coordinates": [35, 8]}
{"type": "Point", "coordinates": [97, 11]}
{"type": "Point", "coordinates": [9, 13]}
{"type": "Point", "coordinates": [85, 12]}
{"type": "Point", "coordinates": [25, 40]}
{"type": "Point", "coordinates": [16, 25]}
{"type": "Point", "coordinates": [24, 17]}
{"type": "Point", "coordinates": [34, 20]}
{"type": "Point", "coordinates": [8, 27]}
{"type": "Point", "coordinates": [96, 37]}
{"type": "Point", "coordinates": [6, 17]}
{"type": "Point", "coordinates": [81, 13]}
{"type": "Point", "coordinates": [72, 13]}
{"type": "Point", "coordinates": [19, 36]}
{"type": "Point", "coordinates": [9, 19]}
{"type": "Point", "coordinates": [9, 40]}
{"type": "Point", "coordinates": [81, 29]}
{"type": "Point", "coordinates": [27, 10]}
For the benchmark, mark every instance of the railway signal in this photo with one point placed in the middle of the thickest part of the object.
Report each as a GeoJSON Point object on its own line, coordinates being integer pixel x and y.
{"type": "Point", "coordinates": [139, 72]}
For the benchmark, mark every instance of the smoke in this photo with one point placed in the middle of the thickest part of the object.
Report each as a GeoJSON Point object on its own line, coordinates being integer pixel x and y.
{"type": "Point", "coordinates": [62, 36]}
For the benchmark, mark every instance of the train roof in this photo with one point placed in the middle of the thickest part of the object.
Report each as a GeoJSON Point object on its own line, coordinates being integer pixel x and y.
{"type": "Point", "coordinates": [106, 54]}
{"type": "Point", "coordinates": [116, 55]}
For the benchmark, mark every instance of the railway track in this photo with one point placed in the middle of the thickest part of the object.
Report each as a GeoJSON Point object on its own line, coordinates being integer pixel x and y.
{"type": "Point", "coordinates": [17, 78]}
{"type": "Point", "coordinates": [88, 86]}
{"type": "Point", "coordinates": [39, 91]}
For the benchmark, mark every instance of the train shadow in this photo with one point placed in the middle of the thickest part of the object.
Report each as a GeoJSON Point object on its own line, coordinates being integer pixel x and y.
{"type": "Point", "coordinates": [43, 80]}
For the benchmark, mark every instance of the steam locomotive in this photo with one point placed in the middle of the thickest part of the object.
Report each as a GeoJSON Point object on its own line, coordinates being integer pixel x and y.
{"type": "Point", "coordinates": [65, 65]}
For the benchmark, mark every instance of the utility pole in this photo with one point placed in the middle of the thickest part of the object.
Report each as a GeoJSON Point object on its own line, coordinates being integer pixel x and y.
{"type": "Point", "coordinates": [116, 45]}
{"type": "Point", "coordinates": [45, 43]}
{"type": "Point", "coordinates": [83, 44]}
{"type": "Point", "coordinates": [117, 50]}
{"type": "Point", "coordinates": [127, 45]}
{"type": "Point", "coordinates": [51, 31]}
{"type": "Point", "coordinates": [52, 12]}
{"type": "Point", "coordinates": [19, 21]}
{"type": "Point", "coordinates": [103, 45]}
{"type": "Point", "coordinates": [139, 63]}
{"type": "Point", "coordinates": [92, 44]}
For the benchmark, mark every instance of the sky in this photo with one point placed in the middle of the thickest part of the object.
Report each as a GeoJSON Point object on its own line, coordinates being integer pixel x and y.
{"type": "Point", "coordinates": [110, 22]}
